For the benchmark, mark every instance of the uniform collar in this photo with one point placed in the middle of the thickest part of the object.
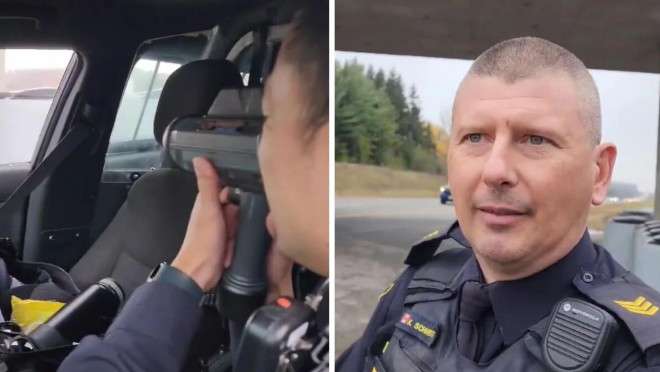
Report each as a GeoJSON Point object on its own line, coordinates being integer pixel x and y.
{"type": "Point", "coordinates": [519, 304]}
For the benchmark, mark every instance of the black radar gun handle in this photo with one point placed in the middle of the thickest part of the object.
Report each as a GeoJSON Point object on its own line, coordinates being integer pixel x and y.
{"type": "Point", "coordinates": [244, 285]}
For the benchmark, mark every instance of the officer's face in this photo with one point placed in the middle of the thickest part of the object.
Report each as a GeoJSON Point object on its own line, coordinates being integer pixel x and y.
{"type": "Point", "coordinates": [522, 171]}
{"type": "Point", "coordinates": [294, 165]}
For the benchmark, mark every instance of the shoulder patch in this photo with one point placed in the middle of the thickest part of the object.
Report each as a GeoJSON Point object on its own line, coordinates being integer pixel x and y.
{"type": "Point", "coordinates": [631, 300]}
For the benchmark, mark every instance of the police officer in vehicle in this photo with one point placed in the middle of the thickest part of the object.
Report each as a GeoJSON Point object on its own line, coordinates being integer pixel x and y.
{"type": "Point", "coordinates": [155, 327]}
{"type": "Point", "coordinates": [525, 289]}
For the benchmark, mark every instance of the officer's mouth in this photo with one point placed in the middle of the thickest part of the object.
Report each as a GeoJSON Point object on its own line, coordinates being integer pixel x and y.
{"type": "Point", "coordinates": [501, 216]}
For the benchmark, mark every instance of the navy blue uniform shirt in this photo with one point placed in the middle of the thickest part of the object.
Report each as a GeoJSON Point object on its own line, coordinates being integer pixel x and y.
{"type": "Point", "coordinates": [519, 304]}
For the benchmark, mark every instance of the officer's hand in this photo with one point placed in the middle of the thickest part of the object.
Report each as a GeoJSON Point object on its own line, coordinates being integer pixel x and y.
{"type": "Point", "coordinates": [211, 230]}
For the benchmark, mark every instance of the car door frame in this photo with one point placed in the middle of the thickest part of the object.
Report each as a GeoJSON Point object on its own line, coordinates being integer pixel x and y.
{"type": "Point", "coordinates": [12, 223]}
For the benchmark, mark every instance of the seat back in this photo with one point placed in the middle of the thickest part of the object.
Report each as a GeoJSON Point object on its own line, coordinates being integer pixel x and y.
{"type": "Point", "coordinates": [150, 226]}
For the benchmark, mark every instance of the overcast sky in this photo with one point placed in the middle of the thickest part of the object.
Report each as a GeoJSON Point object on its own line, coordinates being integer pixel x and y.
{"type": "Point", "coordinates": [629, 103]}
{"type": "Point", "coordinates": [18, 59]}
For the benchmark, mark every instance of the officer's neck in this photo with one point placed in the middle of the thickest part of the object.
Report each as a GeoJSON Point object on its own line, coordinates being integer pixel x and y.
{"type": "Point", "coordinates": [536, 261]}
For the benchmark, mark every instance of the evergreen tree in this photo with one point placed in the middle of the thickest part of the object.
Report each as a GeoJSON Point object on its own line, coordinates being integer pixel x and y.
{"type": "Point", "coordinates": [376, 123]}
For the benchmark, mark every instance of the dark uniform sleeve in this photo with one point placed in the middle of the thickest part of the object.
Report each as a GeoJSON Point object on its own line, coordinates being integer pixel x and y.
{"type": "Point", "coordinates": [352, 360]}
{"type": "Point", "coordinates": [152, 333]}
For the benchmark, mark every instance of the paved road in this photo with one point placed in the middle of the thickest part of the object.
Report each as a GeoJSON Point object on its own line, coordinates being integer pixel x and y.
{"type": "Point", "coordinates": [372, 237]}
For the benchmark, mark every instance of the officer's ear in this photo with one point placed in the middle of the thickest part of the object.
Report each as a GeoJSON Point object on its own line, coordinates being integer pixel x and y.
{"type": "Point", "coordinates": [604, 158]}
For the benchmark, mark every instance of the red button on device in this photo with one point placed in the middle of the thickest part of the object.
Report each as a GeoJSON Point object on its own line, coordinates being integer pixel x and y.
{"type": "Point", "coordinates": [283, 302]}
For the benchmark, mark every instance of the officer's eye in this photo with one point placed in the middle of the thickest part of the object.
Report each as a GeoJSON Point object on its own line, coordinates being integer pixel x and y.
{"type": "Point", "coordinates": [536, 140]}
{"type": "Point", "coordinates": [474, 137]}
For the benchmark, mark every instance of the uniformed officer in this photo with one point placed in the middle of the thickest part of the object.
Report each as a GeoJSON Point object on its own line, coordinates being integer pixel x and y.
{"type": "Point", "coordinates": [525, 164]}
{"type": "Point", "coordinates": [155, 327]}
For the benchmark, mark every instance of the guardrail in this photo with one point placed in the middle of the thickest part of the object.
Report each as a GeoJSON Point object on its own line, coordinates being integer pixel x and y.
{"type": "Point", "coordinates": [633, 239]}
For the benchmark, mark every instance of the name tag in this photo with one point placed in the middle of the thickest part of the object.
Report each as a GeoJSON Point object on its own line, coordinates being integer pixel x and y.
{"type": "Point", "coordinates": [419, 327]}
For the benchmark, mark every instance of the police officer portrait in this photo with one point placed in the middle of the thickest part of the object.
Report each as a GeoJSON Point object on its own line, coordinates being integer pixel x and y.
{"type": "Point", "coordinates": [516, 282]}
{"type": "Point", "coordinates": [175, 216]}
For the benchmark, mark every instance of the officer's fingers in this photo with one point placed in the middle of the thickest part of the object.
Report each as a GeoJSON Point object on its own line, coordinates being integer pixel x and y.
{"type": "Point", "coordinates": [208, 181]}
{"type": "Point", "coordinates": [229, 255]}
{"type": "Point", "coordinates": [230, 212]}
{"type": "Point", "coordinates": [224, 196]}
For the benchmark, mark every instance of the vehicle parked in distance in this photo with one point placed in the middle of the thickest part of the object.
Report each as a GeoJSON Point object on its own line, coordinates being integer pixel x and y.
{"type": "Point", "coordinates": [445, 195]}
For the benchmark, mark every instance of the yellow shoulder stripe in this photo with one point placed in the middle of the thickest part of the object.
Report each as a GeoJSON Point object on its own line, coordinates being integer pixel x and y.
{"type": "Point", "coordinates": [386, 291]}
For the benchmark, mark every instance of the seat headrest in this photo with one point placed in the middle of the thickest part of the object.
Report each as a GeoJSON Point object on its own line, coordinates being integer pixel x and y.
{"type": "Point", "coordinates": [242, 102]}
{"type": "Point", "coordinates": [191, 90]}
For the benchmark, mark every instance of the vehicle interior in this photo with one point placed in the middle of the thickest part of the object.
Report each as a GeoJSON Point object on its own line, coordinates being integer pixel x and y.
{"type": "Point", "coordinates": [113, 207]}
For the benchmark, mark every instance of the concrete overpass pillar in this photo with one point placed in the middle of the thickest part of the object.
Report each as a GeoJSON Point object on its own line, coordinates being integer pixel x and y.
{"type": "Point", "coordinates": [656, 198]}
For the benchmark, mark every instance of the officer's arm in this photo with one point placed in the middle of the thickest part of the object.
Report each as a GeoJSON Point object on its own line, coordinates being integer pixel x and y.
{"type": "Point", "coordinates": [152, 333]}
{"type": "Point", "coordinates": [353, 359]}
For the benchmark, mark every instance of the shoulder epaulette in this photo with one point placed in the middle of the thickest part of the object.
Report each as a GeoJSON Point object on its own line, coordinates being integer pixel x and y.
{"type": "Point", "coordinates": [635, 303]}
{"type": "Point", "coordinates": [423, 250]}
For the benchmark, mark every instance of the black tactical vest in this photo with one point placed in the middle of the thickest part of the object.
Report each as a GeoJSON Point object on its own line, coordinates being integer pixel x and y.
{"type": "Point", "coordinates": [420, 334]}
{"type": "Point", "coordinates": [424, 339]}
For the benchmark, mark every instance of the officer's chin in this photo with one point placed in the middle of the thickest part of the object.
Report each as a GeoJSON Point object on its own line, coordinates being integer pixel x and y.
{"type": "Point", "coordinates": [500, 249]}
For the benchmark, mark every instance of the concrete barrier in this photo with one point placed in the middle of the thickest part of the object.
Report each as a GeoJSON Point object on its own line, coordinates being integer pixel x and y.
{"type": "Point", "coordinates": [621, 236]}
{"type": "Point", "coordinates": [647, 258]}
{"type": "Point", "coordinates": [641, 253]}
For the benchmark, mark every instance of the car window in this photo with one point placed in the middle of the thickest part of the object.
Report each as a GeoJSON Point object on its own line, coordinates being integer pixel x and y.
{"type": "Point", "coordinates": [29, 79]}
{"type": "Point", "coordinates": [133, 147]}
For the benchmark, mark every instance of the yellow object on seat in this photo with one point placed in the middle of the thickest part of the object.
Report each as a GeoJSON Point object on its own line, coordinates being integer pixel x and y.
{"type": "Point", "coordinates": [29, 314]}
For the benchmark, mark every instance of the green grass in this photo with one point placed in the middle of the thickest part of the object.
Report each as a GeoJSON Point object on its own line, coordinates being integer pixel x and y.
{"type": "Point", "coordinates": [600, 214]}
{"type": "Point", "coordinates": [372, 181]}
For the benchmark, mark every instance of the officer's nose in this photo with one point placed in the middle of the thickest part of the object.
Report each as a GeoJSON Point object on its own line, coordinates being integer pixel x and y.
{"type": "Point", "coordinates": [498, 172]}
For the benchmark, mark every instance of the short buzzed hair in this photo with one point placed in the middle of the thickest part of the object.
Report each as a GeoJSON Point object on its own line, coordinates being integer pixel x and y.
{"type": "Point", "coordinates": [527, 57]}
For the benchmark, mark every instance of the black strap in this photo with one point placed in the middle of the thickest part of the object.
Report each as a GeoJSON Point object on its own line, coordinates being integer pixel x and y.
{"type": "Point", "coordinates": [398, 297]}
{"type": "Point", "coordinates": [25, 272]}
{"type": "Point", "coordinates": [258, 53]}
{"type": "Point", "coordinates": [70, 142]}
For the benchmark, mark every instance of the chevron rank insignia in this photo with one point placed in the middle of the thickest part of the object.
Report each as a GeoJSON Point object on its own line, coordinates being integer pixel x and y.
{"type": "Point", "coordinates": [640, 306]}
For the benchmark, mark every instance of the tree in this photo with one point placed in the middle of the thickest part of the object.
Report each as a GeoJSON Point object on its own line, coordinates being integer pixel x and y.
{"type": "Point", "coordinates": [364, 126]}
{"type": "Point", "coordinates": [370, 73]}
{"type": "Point", "coordinates": [376, 123]}
{"type": "Point", "coordinates": [394, 90]}
{"type": "Point", "coordinates": [379, 79]}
